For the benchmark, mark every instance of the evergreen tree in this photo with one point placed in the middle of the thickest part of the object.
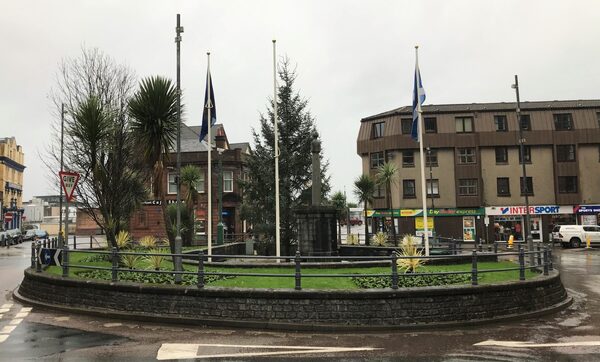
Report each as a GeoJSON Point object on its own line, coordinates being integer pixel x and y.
{"type": "Point", "coordinates": [296, 128]}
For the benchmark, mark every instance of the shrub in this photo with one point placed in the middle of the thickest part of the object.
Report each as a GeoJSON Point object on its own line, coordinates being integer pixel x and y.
{"type": "Point", "coordinates": [148, 242]}
{"type": "Point", "coordinates": [130, 261]}
{"type": "Point", "coordinates": [156, 260]}
{"type": "Point", "coordinates": [409, 248]}
{"type": "Point", "coordinates": [380, 239]}
{"type": "Point", "coordinates": [123, 239]}
{"type": "Point", "coordinates": [352, 239]}
{"type": "Point", "coordinates": [150, 278]}
{"type": "Point", "coordinates": [414, 280]}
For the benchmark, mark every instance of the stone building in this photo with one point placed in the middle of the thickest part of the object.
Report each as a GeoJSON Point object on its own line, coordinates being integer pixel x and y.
{"type": "Point", "coordinates": [476, 166]}
{"type": "Point", "coordinates": [12, 165]}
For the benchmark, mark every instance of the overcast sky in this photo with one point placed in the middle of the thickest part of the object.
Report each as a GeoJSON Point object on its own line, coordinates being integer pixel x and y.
{"type": "Point", "coordinates": [354, 59]}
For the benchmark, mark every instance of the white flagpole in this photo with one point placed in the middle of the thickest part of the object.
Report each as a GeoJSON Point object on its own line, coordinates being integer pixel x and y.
{"type": "Point", "coordinates": [422, 155]}
{"type": "Point", "coordinates": [276, 142]}
{"type": "Point", "coordinates": [209, 164]}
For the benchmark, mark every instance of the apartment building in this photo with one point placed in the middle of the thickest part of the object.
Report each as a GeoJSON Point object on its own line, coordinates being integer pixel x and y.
{"type": "Point", "coordinates": [474, 178]}
{"type": "Point", "coordinates": [12, 166]}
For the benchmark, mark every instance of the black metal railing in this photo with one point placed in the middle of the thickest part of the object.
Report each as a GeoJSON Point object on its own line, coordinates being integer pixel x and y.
{"type": "Point", "coordinates": [542, 263]}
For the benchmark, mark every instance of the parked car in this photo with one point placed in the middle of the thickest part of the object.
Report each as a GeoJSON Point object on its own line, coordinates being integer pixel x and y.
{"type": "Point", "coordinates": [575, 236]}
{"type": "Point", "coordinates": [41, 234]}
{"type": "Point", "coordinates": [15, 236]}
{"type": "Point", "coordinates": [29, 234]}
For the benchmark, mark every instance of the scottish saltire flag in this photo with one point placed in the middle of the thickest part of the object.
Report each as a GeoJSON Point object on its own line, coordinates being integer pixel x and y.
{"type": "Point", "coordinates": [418, 99]}
{"type": "Point", "coordinates": [209, 102]}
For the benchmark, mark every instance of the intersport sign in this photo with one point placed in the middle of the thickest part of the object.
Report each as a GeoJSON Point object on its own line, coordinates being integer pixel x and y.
{"type": "Point", "coordinates": [533, 210]}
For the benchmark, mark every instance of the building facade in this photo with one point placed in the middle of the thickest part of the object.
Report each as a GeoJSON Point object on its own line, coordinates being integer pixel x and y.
{"type": "Point", "coordinates": [12, 166]}
{"type": "Point", "coordinates": [474, 181]}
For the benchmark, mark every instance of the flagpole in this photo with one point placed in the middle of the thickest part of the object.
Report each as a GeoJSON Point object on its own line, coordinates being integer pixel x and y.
{"type": "Point", "coordinates": [209, 163]}
{"type": "Point", "coordinates": [276, 143]}
{"type": "Point", "coordinates": [422, 156]}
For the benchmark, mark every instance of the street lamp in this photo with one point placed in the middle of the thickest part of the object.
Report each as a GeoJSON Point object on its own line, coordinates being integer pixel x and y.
{"type": "Point", "coordinates": [431, 189]}
{"type": "Point", "coordinates": [220, 226]}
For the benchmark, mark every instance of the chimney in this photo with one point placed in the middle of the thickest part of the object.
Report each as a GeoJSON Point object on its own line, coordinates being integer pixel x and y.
{"type": "Point", "coordinates": [220, 139]}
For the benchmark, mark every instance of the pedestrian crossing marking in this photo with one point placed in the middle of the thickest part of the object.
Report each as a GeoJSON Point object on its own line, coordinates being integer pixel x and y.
{"type": "Point", "coordinates": [518, 344]}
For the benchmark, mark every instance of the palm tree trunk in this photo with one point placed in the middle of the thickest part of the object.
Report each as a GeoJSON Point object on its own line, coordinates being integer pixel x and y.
{"type": "Point", "coordinates": [389, 195]}
{"type": "Point", "coordinates": [168, 224]}
{"type": "Point", "coordinates": [366, 226]}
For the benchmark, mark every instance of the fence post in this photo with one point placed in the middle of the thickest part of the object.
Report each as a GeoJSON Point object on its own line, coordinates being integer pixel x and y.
{"type": "Point", "coordinates": [38, 264]}
{"type": "Point", "coordinates": [453, 246]}
{"type": "Point", "coordinates": [32, 255]}
{"type": "Point", "coordinates": [495, 247]}
{"type": "Point", "coordinates": [200, 269]}
{"type": "Point", "coordinates": [65, 261]}
{"type": "Point", "coordinates": [298, 276]}
{"type": "Point", "coordinates": [545, 260]}
{"type": "Point", "coordinates": [480, 246]}
{"type": "Point", "coordinates": [474, 268]}
{"type": "Point", "coordinates": [115, 265]}
{"type": "Point", "coordinates": [521, 263]}
{"type": "Point", "coordinates": [394, 270]}
{"type": "Point", "coordinates": [539, 255]}
{"type": "Point", "coordinates": [91, 242]}
{"type": "Point", "coordinates": [44, 243]}
{"type": "Point", "coordinates": [74, 241]}
{"type": "Point", "coordinates": [550, 264]}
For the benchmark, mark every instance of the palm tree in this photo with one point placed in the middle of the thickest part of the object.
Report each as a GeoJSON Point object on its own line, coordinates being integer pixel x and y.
{"type": "Point", "coordinates": [386, 175]}
{"type": "Point", "coordinates": [364, 189]}
{"type": "Point", "coordinates": [338, 200]}
{"type": "Point", "coordinates": [154, 111]}
{"type": "Point", "coordinates": [190, 177]}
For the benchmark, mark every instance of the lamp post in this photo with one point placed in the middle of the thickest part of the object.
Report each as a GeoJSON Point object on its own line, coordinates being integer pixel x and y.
{"type": "Point", "coordinates": [177, 260]}
{"type": "Point", "coordinates": [220, 236]}
{"type": "Point", "coordinates": [431, 189]}
{"type": "Point", "coordinates": [60, 200]}
{"type": "Point", "coordinates": [525, 228]}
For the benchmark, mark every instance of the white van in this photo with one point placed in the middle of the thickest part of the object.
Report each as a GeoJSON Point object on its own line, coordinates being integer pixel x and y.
{"type": "Point", "coordinates": [575, 236]}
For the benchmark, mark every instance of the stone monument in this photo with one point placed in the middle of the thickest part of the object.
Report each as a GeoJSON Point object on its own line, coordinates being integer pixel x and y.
{"type": "Point", "coordinates": [317, 228]}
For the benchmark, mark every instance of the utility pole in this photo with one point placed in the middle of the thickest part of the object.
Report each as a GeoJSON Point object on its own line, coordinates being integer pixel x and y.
{"type": "Point", "coordinates": [60, 200]}
{"type": "Point", "coordinates": [178, 266]}
{"type": "Point", "coordinates": [276, 151]}
{"type": "Point", "coordinates": [525, 228]}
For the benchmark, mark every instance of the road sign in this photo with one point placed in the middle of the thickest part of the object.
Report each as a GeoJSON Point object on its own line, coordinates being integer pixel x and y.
{"type": "Point", "coordinates": [50, 256]}
{"type": "Point", "coordinates": [8, 216]}
{"type": "Point", "coordinates": [68, 180]}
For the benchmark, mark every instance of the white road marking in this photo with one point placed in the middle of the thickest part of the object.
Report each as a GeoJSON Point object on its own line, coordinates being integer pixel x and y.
{"type": "Point", "coordinates": [21, 315]}
{"type": "Point", "coordinates": [1, 315]}
{"type": "Point", "coordinates": [3, 310]}
{"type": "Point", "coordinates": [516, 344]}
{"type": "Point", "coordinates": [184, 351]}
{"type": "Point", "coordinates": [7, 329]}
{"type": "Point", "coordinates": [62, 319]}
{"type": "Point", "coordinates": [26, 309]}
{"type": "Point", "coordinates": [15, 321]}
{"type": "Point", "coordinates": [110, 325]}
{"type": "Point", "coordinates": [7, 305]}
{"type": "Point", "coordinates": [3, 337]}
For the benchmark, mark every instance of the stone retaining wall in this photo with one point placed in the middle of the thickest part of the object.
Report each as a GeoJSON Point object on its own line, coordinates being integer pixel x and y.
{"type": "Point", "coordinates": [304, 309]}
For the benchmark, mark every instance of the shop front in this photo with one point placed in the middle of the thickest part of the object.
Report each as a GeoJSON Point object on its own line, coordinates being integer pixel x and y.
{"type": "Point", "coordinates": [505, 221]}
{"type": "Point", "coordinates": [587, 214]}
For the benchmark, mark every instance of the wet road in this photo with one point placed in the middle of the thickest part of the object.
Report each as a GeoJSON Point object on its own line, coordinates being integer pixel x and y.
{"type": "Point", "coordinates": [570, 335]}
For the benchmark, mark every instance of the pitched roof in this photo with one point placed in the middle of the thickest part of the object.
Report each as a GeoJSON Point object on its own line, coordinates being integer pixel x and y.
{"type": "Point", "coordinates": [490, 107]}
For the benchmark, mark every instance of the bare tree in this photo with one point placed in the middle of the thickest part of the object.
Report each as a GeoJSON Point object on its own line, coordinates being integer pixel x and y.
{"type": "Point", "coordinates": [98, 142]}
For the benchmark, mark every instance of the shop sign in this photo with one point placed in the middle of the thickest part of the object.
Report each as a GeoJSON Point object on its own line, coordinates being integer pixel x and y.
{"type": "Point", "coordinates": [586, 209]}
{"type": "Point", "coordinates": [469, 228]}
{"type": "Point", "coordinates": [420, 225]}
{"type": "Point", "coordinates": [533, 210]}
{"type": "Point", "coordinates": [430, 212]}
{"type": "Point", "coordinates": [589, 219]}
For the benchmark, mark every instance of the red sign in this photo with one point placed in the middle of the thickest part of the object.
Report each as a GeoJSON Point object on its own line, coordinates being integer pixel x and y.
{"type": "Point", "coordinates": [8, 216]}
{"type": "Point", "coordinates": [68, 180]}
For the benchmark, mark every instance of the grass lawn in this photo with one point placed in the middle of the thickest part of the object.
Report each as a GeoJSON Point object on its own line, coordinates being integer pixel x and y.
{"type": "Point", "coordinates": [82, 258]}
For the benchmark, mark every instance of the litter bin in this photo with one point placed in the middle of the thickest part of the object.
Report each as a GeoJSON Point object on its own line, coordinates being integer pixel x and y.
{"type": "Point", "coordinates": [249, 246]}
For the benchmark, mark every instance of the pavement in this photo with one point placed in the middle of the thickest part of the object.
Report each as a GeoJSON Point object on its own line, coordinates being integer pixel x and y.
{"type": "Point", "coordinates": [570, 335]}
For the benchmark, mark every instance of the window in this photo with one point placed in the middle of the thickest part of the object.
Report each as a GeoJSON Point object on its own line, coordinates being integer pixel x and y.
{"type": "Point", "coordinates": [567, 184]}
{"type": "Point", "coordinates": [433, 188]}
{"type": "Point", "coordinates": [199, 186]}
{"type": "Point", "coordinates": [431, 158]}
{"type": "Point", "coordinates": [467, 187]}
{"type": "Point", "coordinates": [563, 122]}
{"type": "Point", "coordinates": [527, 150]}
{"type": "Point", "coordinates": [377, 159]}
{"type": "Point", "coordinates": [408, 189]}
{"type": "Point", "coordinates": [529, 186]}
{"type": "Point", "coordinates": [408, 159]}
{"type": "Point", "coordinates": [526, 122]}
{"type": "Point", "coordinates": [227, 181]}
{"type": "Point", "coordinates": [501, 155]}
{"type": "Point", "coordinates": [598, 117]}
{"type": "Point", "coordinates": [172, 183]}
{"type": "Point", "coordinates": [378, 129]}
{"type": "Point", "coordinates": [379, 191]}
{"type": "Point", "coordinates": [464, 124]}
{"type": "Point", "coordinates": [565, 153]}
{"type": "Point", "coordinates": [501, 123]}
{"type": "Point", "coordinates": [430, 124]}
{"type": "Point", "coordinates": [142, 219]}
{"type": "Point", "coordinates": [466, 155]}
{"type": "Point", "coordinates": [503, 186]}
{"type": "Point", "coordinates": [406, 124]}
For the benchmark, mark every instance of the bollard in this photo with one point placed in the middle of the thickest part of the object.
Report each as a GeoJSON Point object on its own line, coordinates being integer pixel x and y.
{"type": "Point", "coordinates": [91, 242]}
{"type": "Point", "coordinates": [521, 263]}
{"type": "Point", "coordinates": [200, 269]}
{"type": "Point", "coordinates": [115, 265]}
{"type": "Point", "coordinates": [65, 260]}
{"type": "Point", "coordinates": [74, 241]}
{"type": "Point", "coordinates": [44, 243]}
{"type": "Point", "coordinates": [588, 243]}
{"type": "Point", "coordinates": [474, 268]}
{"type": "Point", "coordinates": [545, 260]}
{"type": "Point", "coordinates": [453, 243]}
{"type": "Point", "coordinates": [394, 270]}
{"type": "Point", "coordinates": [539, 255]}
{"type": "Point", "coordinates": [511, 241]}
{"type": "Point", "coordinates": [550, 264]}
{"type": "Point", "coordinates": [298, 276]}
{"type": "Point", "coordinates": [495, 247]}
{"type": "Point", "coordinates": [38, 264]}
{"type": "Point", "coordinates": [33, 255]}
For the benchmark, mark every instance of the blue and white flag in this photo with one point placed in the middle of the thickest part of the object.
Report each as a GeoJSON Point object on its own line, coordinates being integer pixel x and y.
{"type": "Point", "coordinates": [418, 99]}
{"type": "Point", "coordinates": [209, 102]}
